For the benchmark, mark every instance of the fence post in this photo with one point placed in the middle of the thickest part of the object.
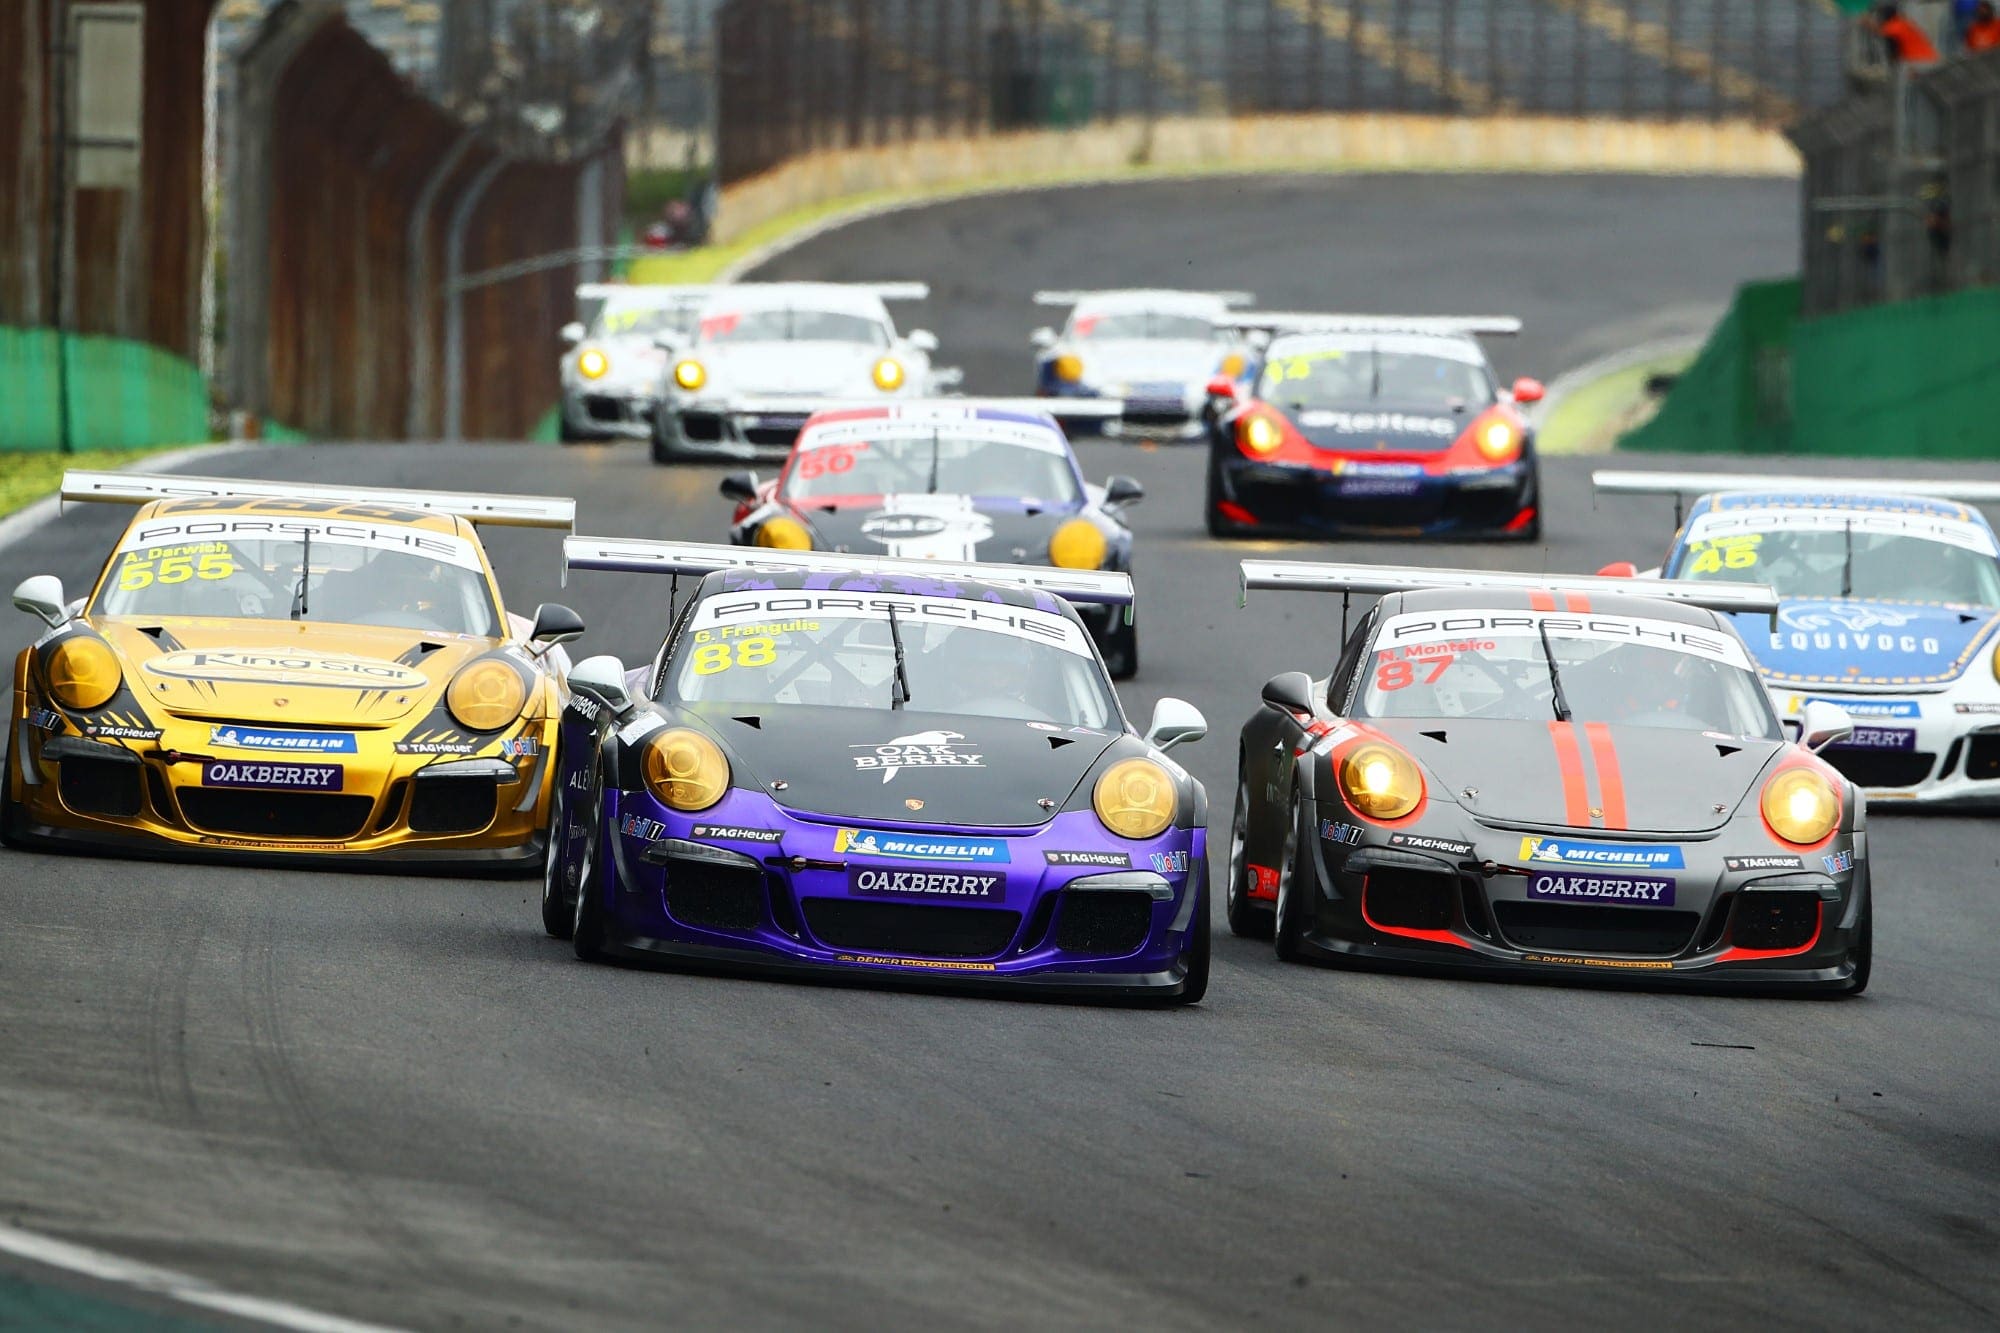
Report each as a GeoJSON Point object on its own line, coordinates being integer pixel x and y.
{"type": "Point", "coordinates": [416, 416]}
{"type": "Point", "coordinates": [454, 311]}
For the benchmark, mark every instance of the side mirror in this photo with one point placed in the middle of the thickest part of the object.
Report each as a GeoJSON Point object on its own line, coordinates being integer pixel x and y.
{"type": "Point", "coordinates": [1221, 389]}
{"type": "Point", "coordinates": [1619, 569]}
{"type": "Point", "coordinates": [602, 679]}
{"type": "Point", "coordinates": [42, 596]}
{"type": "Point", "coordinates": [1529, 391]}
{"type": "Point", "coordinates": [572, 334]}
{"type": "Point", "coordinates": [1043, 339]}
{"type": "Point", "coordinates": [1121, 491]}
{"type": "Point", "coordinates": [740, 487]}
{"type": "Point", "coordinates": [554, 624]}
{"type": "Point", "coordinates": [1175, 721]}
{"type": "Point", "coordinates": [1821, 724]}
{"type": "Point", "coordinates": [923, 340]}
{"type": "Point", "coordinates": [1291, 692]}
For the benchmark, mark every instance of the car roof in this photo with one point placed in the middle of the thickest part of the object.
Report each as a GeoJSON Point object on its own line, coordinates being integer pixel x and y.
{"type": "Point", "coordinates": [1451, 347]}
{"type": "Point", "coordinates": [831, 297]}
{"type": "Point", "coordinates": [1003, 594]}
{"type": "Point", "coordinates": [1529, 599]}
{"type": "Point", "coordinates": [1838, 502]}
{"type": "Point", "coordinates": [278, 508]}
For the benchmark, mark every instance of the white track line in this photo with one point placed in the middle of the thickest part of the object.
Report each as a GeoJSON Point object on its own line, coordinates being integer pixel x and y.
{"type": "Point", "coordinates": [26, 519]}
{"type": "Point", "coordinates": [174, 1286]}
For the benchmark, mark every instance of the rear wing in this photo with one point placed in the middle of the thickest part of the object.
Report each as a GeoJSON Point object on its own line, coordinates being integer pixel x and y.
{"type": "Point", "coordinates": [1062, 409]}
{"type": "Point", "coordinates": [1283, 321]}
{"type": "Point", "coordinates": [606, 291]}
{"type": "Point", "coordinates": [1074, 298]}
{"type": "Point", "coordinates": [1375, 580]}
{"type": "Point", "coordinates": [639, 556]}
{"type": "Point", "coordinates": [503, 511]}
{"type": "Point", "coordinates": [1685, 484]}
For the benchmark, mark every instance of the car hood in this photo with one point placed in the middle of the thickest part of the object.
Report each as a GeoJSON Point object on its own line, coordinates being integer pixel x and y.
{"type": "Point", "coordinates": [1671, 780]}
{"type": "Point", "coordinates": [790, 368]}
{"type": "Point", "coordinates": [295, 673]}
{"type": "Point", "coordinates": [1141, 363]}
{"type": "Point", "coordinates": [1381, 427]}
{"type": "Point", "coordinates": [864, 764]}
{"type": "Point", "coordinates": [1851, 641]}
{"type": "Point", "coordinates": [938, 527]}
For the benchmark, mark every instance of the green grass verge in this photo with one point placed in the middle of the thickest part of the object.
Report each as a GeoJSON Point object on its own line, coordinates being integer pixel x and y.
{"type": "Point", "coordinates": [1591, 418]}
{"type": "Point", "coordinates": [26, 478]}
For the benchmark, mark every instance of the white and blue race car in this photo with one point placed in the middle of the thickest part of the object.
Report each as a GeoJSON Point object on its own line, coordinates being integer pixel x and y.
{"type": "Point", "coordinates": [1159, 351]}
{"type": "Point", "coordinates": [1889, 606]}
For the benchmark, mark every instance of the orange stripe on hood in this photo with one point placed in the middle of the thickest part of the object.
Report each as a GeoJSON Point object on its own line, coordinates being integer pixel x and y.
{"type": "Point", "coordinates": [1569, 759]}
{"type": "Point", "coordinates": [1610, 782]}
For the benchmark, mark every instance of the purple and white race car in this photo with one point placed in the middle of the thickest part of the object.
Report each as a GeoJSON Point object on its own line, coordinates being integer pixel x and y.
{"type": "Point", "coordinates": [878, 768]}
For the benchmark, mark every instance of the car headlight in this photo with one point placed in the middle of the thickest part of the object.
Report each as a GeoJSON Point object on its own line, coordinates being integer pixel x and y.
{"type": "Point", "coordinates": [83, 673]}
{"type": "Point", "coordinates": [690, 375]}
{"type": "Point", "coordinates": [1261, 436]}
{"type": "Point", "coordinates": [1801, 806]}
{"type": "Point", "coordinates": [1996, 661]}
{"type": "Point", "coordinates": [685, 770]}
{"type": "Point", "coordinates": [485, 696]}
{"type": "Point", "coordinates": [784, 534]}
{"type": "Point", "coordinates": [593, 364]}
{"type": "Point", "coordinates": [1381, 782]}
{"type": "Point", "coordinates": [1498, 441]}
{"type": "Point", "coordinates": [1077, 544]}
{"type": "Point", "coordinates": [1135, 798]}
{"type": "Point", "coordinates": [1232, 366]}
{"type": "Point", "coordinates": [888, 374]}
{"type": "Point", "coordinates": [1069, 369]}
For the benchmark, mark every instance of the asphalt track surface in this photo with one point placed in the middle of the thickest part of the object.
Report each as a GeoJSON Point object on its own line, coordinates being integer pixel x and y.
{"type": "Point", "coordinates": [394, 1099]}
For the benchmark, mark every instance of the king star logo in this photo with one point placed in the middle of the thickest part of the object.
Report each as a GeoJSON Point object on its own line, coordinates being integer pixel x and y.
{"type": "Point", "coordinates": [1855, 619]}
{"type": "Point", "coordinates": [925, 749]}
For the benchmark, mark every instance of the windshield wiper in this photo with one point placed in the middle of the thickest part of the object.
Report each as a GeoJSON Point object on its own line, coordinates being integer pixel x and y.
{"type": "Point", "coordinates": [1374, 370]}
{"type": "Point", "coordinates": [899, 684]}
{"type": "Point", "coordinates": [1555, 676]}
{"type": "Point", "coordinates": [1847, 561]}
{"type": "Point", "coordinates": [305, 576]}
{"type": "Point", "coordinates": [937, 445]}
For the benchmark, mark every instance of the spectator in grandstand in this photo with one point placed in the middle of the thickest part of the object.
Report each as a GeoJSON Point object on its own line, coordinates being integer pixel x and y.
{"type": "Point", "coordinates": [1908, 44]}
{"type": "Point", "coordinates": [1983, 33]}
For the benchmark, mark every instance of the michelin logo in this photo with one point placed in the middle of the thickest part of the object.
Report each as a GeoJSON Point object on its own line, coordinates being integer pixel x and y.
{"type": "Point", "coordinates": [1571, 852]}
{"type": "Point", "coordinates": [282, 742]}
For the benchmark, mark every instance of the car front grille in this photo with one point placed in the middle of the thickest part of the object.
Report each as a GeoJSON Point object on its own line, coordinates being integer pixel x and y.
{"type": "Point", "coordinates": [1880, 768]}
{"type": "Point", "coordinates": [1774, 920]}
{"type": "Point", "coordinates": [452, 805]}
{"type": "Point", "coordinates": [1409, 899]}
{"type": "Point", "coordinates": [715, 897]}
{"type": "Point", "coordinates": [1982, 756]}
{"type": "Point", "coordinates": [99, 786]}
{"type": "Point", "coordinates": [304, 816]}
{"type": "Point", "coordinates": [899, 928]}
{"type": "Point", "coordinates": [1565, 928]}
{"type": "Point", "coordinates": [1108, 923]}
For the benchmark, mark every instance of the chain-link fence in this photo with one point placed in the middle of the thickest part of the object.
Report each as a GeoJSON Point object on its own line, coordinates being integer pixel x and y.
{"type": "Point", "coordinates": [796, 76]}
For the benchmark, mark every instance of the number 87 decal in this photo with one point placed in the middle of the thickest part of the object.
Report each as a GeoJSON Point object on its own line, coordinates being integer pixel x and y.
{"type": "Point", "coordinates": [1402, 674]}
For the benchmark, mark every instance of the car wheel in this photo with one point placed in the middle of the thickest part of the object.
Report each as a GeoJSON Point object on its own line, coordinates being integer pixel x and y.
{"type": "Point", "coordinates": [1195, 953]}
{"type": "Point", "coordinates": [10, 814]}
{"type": "Point", "coordinates": [587, 920]}
{"type": "Point", "coordinates": [558, 911]}
{"type": "Point", "coordinates": [662, 452]}
{"type": "Point", "coordinates": [1247, 917]}
{"type": "Point", "coordinates": [1288, 924]}
{"type": "Point", "coordinates": [1218, 526]}
{"type": "Point", "coordinates": [1863, 952]}
{"type": "Point", "coordinates": [1121, 647]}
{"type": "Point", "coordinates": [567, 433]}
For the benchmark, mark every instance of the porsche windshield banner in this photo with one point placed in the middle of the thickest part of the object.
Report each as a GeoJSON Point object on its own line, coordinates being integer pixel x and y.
{"type": "Point", "coordinates": [729, 616]}
{"type": "Point", "coordinates": [1420, 633]}
{"type": "Point", "coordinates": [1717, 525]}
{"type": "Point", "coordinates": [445, 547]}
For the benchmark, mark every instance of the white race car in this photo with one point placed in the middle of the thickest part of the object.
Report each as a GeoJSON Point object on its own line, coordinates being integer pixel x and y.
{"type": "Point", "coordinates": [617, 354]}
{"type": "Point", "coordinates": [765, 355]}
{"type": "Point", "coordinates": [1889, 606]}
{"type": "Point", "coordinates": [1158, 350]}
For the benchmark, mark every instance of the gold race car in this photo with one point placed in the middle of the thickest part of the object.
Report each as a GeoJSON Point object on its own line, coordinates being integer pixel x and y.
{"type": "Point", "coordinates": [271, 671]}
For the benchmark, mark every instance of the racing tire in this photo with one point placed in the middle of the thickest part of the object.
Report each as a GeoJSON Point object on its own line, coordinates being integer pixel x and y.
{"type": "Point", "coordinates": [10, 813]}
{"type": "Point", "coordinates": [663, 453]}
{"type": "Point", "coordinates": [1288, 918]}
{"type": "Point", "coordinates": [558, 912]}
{"type": "Point", "coordinates": [587, 918]}
{"type": "Point", "coordinates": [1863, 952]}
{"type": "Point", "coordinates": [1121, 647]}
{"type": "Point", "coordinates": [1196, 951]}
{"type": "Point", "coordinates": [1247, 917]}
{"type": "Point", "coordinates": [569, 434]}
{"type": "Point", "coordinates": [1218, 527]}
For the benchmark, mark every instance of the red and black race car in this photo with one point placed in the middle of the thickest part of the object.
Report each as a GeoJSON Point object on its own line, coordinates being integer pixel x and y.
{"type": "Point", "coordinates": [1374, 425]}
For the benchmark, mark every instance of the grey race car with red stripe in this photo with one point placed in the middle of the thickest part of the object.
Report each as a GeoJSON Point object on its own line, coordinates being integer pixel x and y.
{"type": "Point", "coordinates": [1572, 776]}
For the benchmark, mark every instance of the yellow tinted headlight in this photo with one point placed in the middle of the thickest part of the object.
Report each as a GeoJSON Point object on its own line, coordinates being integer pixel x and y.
{"type": "Point", "coordinates": [1232, 366]}
{"type": "Point", "coordinates": [486, 696]}
{"type": "Point", "coordinates": [593, 364]}
{"type": "Point", "coordinates": [1381, 782]}
{"type": "Point", "coordinates": [1069, 369]}
{"type": "Point", "coordinates": [784, 534]}
{"type": "Point", "coordinates": [888, 374]}
{"type": "Point", "coordinates": [1801, 806]}
{"type": "Point", "coordinates": [1077, 544]}
{"type": "Point", "coordinates": [690, 375]}
{"type": "Point", "coordinates": [1996, 662]}
{"type": "Point", "coordinates": [1135, 798]}
{"type": "Point", "coordinates": [685, 769]}
{"type": "Point", "coordinates": [83, 673]}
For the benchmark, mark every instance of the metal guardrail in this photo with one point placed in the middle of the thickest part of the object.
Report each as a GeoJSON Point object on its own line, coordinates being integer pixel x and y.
{"type": "Point", "coordinates": [796, 76]}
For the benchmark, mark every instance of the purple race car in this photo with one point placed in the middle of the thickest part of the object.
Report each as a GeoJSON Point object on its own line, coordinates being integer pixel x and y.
{"type": "Point", "coordinates": [883, 768]}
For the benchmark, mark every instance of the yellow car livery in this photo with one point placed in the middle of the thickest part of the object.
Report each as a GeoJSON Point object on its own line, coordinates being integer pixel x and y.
{"type": "Point", "coordinates": [269, 670]}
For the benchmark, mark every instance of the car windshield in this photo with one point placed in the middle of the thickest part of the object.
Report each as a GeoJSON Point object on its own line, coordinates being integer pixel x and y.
{"type": "Point", "coordinates": [1025, 463]}
{"type": "Point", "coordinates": [1144, 324]}
{"type": "Point", "coordinates": [643, 321]}
{"type": "Point", "coordinates": [1341, 377]}
{"type": "Point", "coordinates": [243, 568]}
{"type": "Point", "coordinates": [839, 650]}
{"type": "Point", "coordinates": [796, 326]}
{"type": "Point", "coordinates": [1628, 670]}
{"type": "Point", "coordinates": [1886, 557]}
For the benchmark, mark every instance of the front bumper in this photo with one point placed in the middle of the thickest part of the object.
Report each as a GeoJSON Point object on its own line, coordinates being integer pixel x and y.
{"type": "Point", "coordinates": [1912, 749]}
{"type": "Point", "coordinates": [1162, 414]}
{"type": "Point", "coordinates": [150, 798]}
{"type": "Point", "coordinates": [608, 412]}
{"type": "Point", "coordinates": [1323, 502]}
{"type": "Point", "coordinates": [774, 890]}
{"type": "Point", "coordinates": [1758, 926]}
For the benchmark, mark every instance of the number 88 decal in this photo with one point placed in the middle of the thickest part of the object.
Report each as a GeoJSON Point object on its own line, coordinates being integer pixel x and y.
{"type": "Point", "coordinates": [714, 658]}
